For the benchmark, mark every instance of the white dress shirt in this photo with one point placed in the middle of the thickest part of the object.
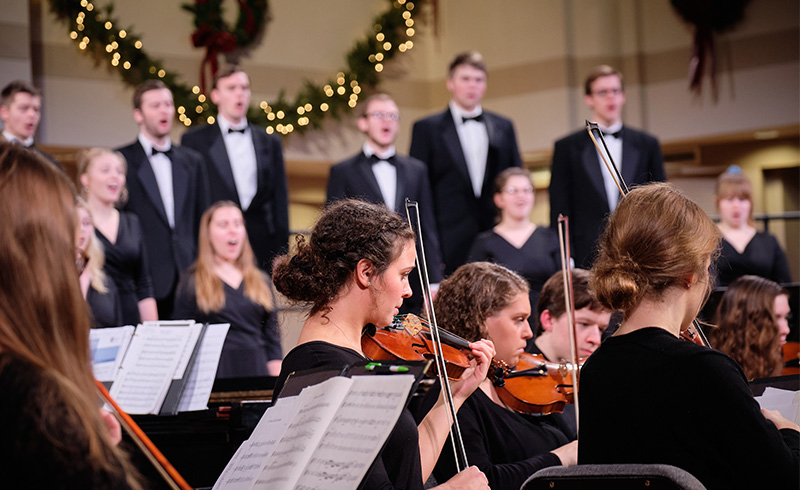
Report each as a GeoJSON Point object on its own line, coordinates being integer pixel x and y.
{"type": "Point", "coordinates": [615, 149]}
{"type": "Point", "coordinates": [242, 156]}
{"type": "Point", "coordinates": [162, 168]}
{"type": "Point", "coordinates": [28, 142]}
{"type": "Point", "coordinates": [474, 139]}
{"type": "Point", "coordinates": [385, 173]}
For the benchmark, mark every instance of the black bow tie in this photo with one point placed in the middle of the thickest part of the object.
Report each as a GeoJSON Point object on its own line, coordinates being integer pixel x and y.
{"type": "Point", "coordinates": [156, 151]}
{"type": "Point", "coordinates": [231, 130]}
{"type": "Point", "coordinates": [618, 134]}
{"type": "Point", "coordinates": [478, 118]}
{"type": "Point", "coordinates": [373, 159]}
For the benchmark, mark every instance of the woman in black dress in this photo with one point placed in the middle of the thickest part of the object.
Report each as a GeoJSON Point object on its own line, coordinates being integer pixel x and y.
{"type": "Point", "coordinates": [745, 251]}
{"type": "Point", "coordinates": [646, 395]}
{"type": "Point", "coordinates": [352, 272]}
{"type": "Point", "coordinates": [484, 300]}
{"type": "Point", "coordinates": [225, 286]}
{"type": "Point", "coordinates": [102, 175]}
{"type": "Point", "coordinates": [515, 242]}
{"type": "Point", "coordinates": [98, 289]}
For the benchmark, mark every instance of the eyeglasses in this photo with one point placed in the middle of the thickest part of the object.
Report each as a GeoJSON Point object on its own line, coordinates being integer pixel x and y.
{"type": "Point", "coordinates": [608, 91]}
{"type": "Point", "coordinates": [521, 190]}
{"type": "Point", "coordinates": [386, 116]}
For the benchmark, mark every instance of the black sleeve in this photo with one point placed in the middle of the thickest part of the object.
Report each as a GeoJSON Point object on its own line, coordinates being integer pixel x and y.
{"type": "Point", "coordinates": [479, 252]}
{"type": "Point", "coordinates": [500, 476]}
{"type": "Point", "coordinates": [185, 298]}
{"type": "Point", "coordinates": [272, 336]}
{"type": "Point", "coordinates": [336, 188]}
{"type": "Point", "coordinates": [560, 183]}
{"type": "Point", "coordinates": [280, 207]}
{"type": "Point", "coordinates": [144, 284]}
{"type": "Point", "coordinates": [780, 265]}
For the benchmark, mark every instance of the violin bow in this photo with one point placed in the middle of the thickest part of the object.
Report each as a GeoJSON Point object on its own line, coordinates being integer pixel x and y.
{"type": "Point", "coordinates": [422, 268]}
{"type": "Point", "coordinates": [569, 303]}
{"type": "Point", "coordinates": [168, 472]}
{"type": "Point", "coordinates": [594, 134]}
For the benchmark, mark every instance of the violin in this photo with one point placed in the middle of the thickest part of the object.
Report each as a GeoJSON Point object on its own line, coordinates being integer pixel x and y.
{"type": "Point", "coordinates": [536, 386]}
{"type": "Point", "coordinates": [408, 338]}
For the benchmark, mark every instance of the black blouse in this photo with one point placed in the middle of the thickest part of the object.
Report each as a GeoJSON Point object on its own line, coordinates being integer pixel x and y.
{"type": "Point", "coordinates": [762, 256]}
{"type": "Point", "coordinates": [253, 337]}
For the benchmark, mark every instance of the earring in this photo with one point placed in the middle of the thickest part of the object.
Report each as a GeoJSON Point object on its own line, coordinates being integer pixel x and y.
{"type": "Point", "coordinates": [369, 283]}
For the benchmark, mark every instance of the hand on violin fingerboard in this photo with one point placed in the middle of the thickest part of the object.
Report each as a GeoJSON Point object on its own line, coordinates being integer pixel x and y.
{"type": "Point", "coordinates": [483, 352]}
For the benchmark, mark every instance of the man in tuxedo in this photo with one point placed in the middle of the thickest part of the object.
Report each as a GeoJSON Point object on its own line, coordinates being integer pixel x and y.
{"type": "Point", "coordinates": [464, 148]}
{"type": "Point", "coordinates": [246, 166]}
{"type": "Point", "coordinates": [580, 186]}
{"type": "Point", "coordinates": [378, 174]}
{"type": "Point", "coordinates": [21, 111]}
{"type": "Point", "coordinates": [167, 189]}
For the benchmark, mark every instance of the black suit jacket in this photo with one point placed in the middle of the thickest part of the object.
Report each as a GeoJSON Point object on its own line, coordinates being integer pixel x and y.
{"type": "Point", "coordinates": [267, 217]}
{"type": "Point", "coordinates": [460, 216]}
{"type": "Point", "coordinates": [354, 178]}
{"type": "Point", "coordinates": [577, 189]}
{"type": "Point", "coordinates": [169, 251]}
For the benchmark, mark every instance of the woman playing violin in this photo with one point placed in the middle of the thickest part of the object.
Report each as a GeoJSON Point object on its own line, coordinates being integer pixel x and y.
{"type": "Point", "coordinates": [484, 300]}
{"type": "Point", "coordinates": [353, 271]}
{"type": "Point", "coordinates": [648, 397]}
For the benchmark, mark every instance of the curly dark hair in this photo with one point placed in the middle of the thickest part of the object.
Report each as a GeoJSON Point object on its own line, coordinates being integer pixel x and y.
{"type": "Point", "coordinates": [346, 232]}
{"type": "Point", "coordinates": [746, 327]}
{"type": "Point", "coordinates": [473, 293]}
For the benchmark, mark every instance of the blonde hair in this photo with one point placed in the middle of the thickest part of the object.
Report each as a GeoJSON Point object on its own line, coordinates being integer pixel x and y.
{"type": "Point", "coordinates": [85, 159]}
{"type": "Point", "coordinates": [208, 286]}
{"type": "Point", "coordinates": [44, 319]}
{"type": "Point", "coordinates": [94, 251]}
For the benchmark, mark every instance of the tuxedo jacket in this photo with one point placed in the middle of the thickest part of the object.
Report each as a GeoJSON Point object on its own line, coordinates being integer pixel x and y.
{"type": "Point", "coordinates": [267, 217]}
{"type": "Point", "coordinates": [169, 251]}
{"type": "Point", "coordinates": [354, 178]}
{"type": "Point", "coordinates": [50, 158]}
{"type": "Point", "coordinates": [577, 189]}
{"type": "Point", "coordinates": [460, 216]}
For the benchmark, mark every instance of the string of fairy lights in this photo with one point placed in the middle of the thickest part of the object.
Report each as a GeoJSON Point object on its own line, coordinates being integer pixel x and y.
{"type": "Point", "coordinates": [95, 31]}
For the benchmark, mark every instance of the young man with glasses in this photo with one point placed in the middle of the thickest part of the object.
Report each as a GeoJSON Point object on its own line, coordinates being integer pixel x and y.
{"type": "Point", "coordinates": [581, 186]}
{"type": "Point", "coordinates": [378, 174]}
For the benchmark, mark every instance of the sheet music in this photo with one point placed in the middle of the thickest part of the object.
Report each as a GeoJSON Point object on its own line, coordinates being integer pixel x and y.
{"type": "Point", "coordinates": [108, 346]}
{"type": "Point", "coordinates": [787, 402]}
{"type": "Point", "coordinates": [357, 433]}
{"type": "Point", "coordinates": [242, 470]}
{"type": "Point", "coordinates": [201, 377]}
{"type": "Point", "coordinates": [318, 405]}
{"type": "Point", "coordinates": [186, 355]}
{"type": "Point", "coordinates": [147, 369]}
